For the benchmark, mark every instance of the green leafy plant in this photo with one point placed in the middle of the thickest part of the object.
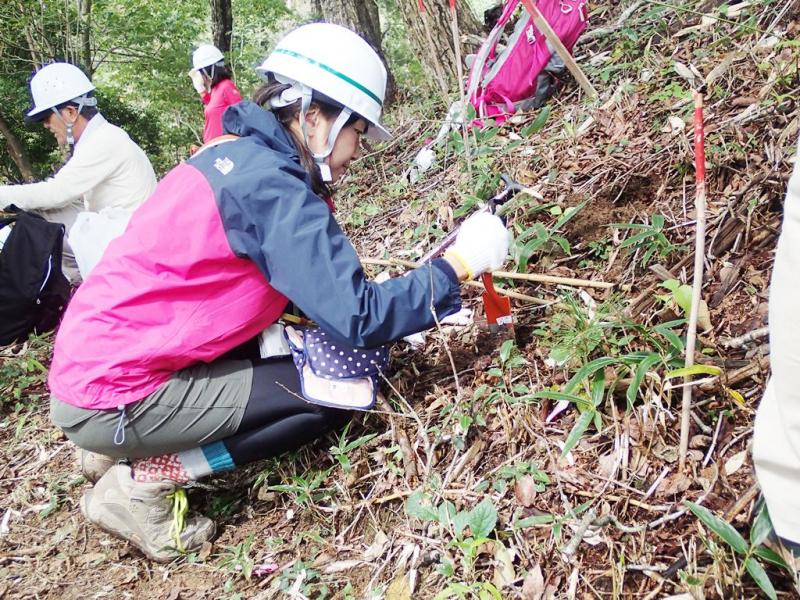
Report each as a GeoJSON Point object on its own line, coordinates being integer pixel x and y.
{"type": "Point", "coordinates": [236, 559]}
{"type": "Point", "coordinates": [480, 521]}
{"type": "Point", "coordinates": [650, 239]}
{"type": "Point", "coordinates": [58, 490]}
{"type": "Point", "coordinates": [681, 294]}
{"type": "Point", "coordinates": [554, 522]}
{"type": "Point", "coordinates": [343, 448]}
{"type": "Point", "coordinates": [752, 552]}
{"type": "Point", "coordinates": [307, 489]}
{"type": "Point", "coordinates": [539, 238]}
{"type": "Point", "coordinates": [224, 504]}
{"type": "Point", "coordinates": [538, 123]}
{"type": "Point", "coordinates": [511, 473]}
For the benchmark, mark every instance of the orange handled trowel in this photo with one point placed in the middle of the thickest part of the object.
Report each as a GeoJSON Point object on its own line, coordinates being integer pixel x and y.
{"type": "Point", "coordinates": [498, 308]}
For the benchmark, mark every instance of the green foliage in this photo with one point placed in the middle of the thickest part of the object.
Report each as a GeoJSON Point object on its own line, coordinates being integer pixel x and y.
{"type": "Point", "coordinates": [224, 504]}
{"type": "Point", "coordinates": [671, 92]}
{"type": "Point", "coordinates": [554, 522]}
{"type": "Point", "coordinates": [237, 560]}
{"type": "Point", "coordinates": [58, 491]}
{"type": "Point", "coordinates": [307, 489]}
{"type": "Point", "coordinates": [602, 344]}
{"type": "Point", "coordinates": [400, 55]}
{"type": "Point", "coordinates": [748, 550]}
{"type": "Point", "coordinates": [539, 238]}
{"type": "Point", "coordinates": [343, 448]}
{"type": "Point", "coordinates": [538, 123]}
{"type": "Point", "coordinates": [650, 241]}
{"type": "Point", "coordinates": [140, 73]}
{"type": "Point", "coordinates": [512, 473]}
{"type": "Point", "coordinates": [23, 375]}
{"type": "Point", "coordinates": [681, 294]}
{"type": "Point", "coordinates": [310, 578]}
{"type": "Point", "coordinates": [480, 522]}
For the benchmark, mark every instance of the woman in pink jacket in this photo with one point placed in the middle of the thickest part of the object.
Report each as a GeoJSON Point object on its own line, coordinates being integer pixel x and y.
{"type": "Point", "coordinates": [142, 366]}
{"type": "Point", "coordinates": [216, 88]}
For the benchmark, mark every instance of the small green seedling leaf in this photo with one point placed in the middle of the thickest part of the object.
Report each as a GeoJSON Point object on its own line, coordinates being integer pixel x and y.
{"type": "Point", "coordinates": [505, 351]}
{"type": "Point", "coordinates": [534, 521]}
{"type": "Point", "coordinates": [719, 526]}
{"type": "Point", "coordinates": [641, 370]}
{"type": "Point", "coordinates": [734, 395]}
{"type": "Point", "coordinates": [693, 370]}
{"type": "Point", "coordinates": [482, 519]}
{"type": "Point", "coordinates": [762, 526]}
{"type": "Point", "coordinates": [577, 431]}
{"type": "Point", "coordinates": [681, 293]}
{"type": "Point", "coordinates": [538, 123]}
{"type": "Point", "coordinates": [418, 506]}
{"type": "Point", "coordinates": [588, 370]}
{"type": "Point", "coordinates": [770, 556]}
{"type": "Point", "coordinates": [760, 576]}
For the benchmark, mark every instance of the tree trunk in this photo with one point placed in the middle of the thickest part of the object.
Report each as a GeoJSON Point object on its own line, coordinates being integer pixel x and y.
{"type": "Point", "coordinates": [222, 24]}
{"type": "Point", "coordinates": [86, 39]}
{"type": "Point", "coordinates": [16, 151]}
{"type": "Point", "coordinates": [362, 17]}
{"type": "Point", "coordinates": [431, 36]}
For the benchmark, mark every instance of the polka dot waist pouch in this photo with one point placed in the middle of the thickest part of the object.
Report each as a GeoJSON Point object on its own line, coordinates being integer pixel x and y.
{"type": "Point", "coordinates": [335, 374]}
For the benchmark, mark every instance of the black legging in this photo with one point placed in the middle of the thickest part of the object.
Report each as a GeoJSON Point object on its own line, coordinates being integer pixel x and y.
{"type": "Point", "coordinates": [277, 418]}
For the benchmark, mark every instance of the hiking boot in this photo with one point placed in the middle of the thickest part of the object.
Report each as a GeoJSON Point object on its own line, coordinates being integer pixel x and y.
{"type": "Point", "coordinates": [93, 465]}
{"type": "Point", "coordinates": [142, 513]}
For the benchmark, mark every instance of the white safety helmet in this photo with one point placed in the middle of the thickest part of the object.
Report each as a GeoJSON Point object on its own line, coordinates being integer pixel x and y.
{"type": "Point", "coordinates": [338, 64]}
{"type": "Point", "coordinates": [56, 84]}
{"type": "Point", "coordinates": [206, 55]}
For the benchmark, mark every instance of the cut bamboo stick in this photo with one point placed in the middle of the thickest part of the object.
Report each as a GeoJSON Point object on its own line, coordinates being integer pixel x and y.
{"type": "Point", "coordinates": [512, 294]}
{"type": "Point", "coordinates": [538, 278]}
{"type": "Point", "coordinates": [394, 262]}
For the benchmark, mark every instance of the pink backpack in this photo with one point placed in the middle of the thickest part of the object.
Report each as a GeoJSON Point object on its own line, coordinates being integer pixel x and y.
{"type": "Point", "coordinates": [498, 83]}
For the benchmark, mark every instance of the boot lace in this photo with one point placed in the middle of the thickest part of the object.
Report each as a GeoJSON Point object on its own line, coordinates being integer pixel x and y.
{"type": "Point", "coordinates": [180, 508]}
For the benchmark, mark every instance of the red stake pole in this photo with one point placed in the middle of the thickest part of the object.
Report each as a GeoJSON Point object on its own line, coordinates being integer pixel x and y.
{"type": "Point", "coordinates": [697, 284]}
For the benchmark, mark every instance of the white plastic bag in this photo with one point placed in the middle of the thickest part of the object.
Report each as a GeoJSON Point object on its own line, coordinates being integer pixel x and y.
{"type": "Point", "coordinates": [91, 233]}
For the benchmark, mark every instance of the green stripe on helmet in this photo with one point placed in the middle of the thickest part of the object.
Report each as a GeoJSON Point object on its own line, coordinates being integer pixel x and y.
{"type": "Point", "coordinates": [325, 67]}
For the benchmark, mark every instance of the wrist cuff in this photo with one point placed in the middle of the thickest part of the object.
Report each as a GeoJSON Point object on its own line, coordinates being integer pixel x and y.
{"type": "Point", "coordinates": [447, 268]}
{"type": "Point", "coordinates": [460, 260]}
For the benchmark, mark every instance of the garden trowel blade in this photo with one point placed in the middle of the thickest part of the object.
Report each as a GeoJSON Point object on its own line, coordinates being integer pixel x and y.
{"type": "Point", "coordinates": [498, 308]}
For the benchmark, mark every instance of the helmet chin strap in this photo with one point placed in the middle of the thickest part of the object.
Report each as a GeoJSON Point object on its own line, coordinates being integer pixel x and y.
{"type": "Point", "coordinates": [82, 101]}
{"type": "Point", "coordinates": [320, 157]}
{"type": "Point", "coordinates": [299, 91]}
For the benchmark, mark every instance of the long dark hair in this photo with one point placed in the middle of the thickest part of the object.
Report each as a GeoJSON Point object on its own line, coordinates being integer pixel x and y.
{"type": "Point", "coordinates": [220, 73]}
{"type": "Point", "coordinates": [289, 113]}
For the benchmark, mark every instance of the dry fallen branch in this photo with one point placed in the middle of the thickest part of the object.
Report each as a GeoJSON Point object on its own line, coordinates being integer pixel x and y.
{"type": "Point", "coordinates": [744, 340]}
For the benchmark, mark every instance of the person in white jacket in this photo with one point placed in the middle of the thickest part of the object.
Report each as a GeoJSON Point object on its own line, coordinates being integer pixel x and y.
{"type": "Point", "coordinates": [108, 173]}
{"type": "Point", "coordinates": [776, 442]}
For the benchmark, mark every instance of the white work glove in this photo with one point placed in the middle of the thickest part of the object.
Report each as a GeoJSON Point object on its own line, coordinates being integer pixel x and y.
{"type": "Point", "coordinates": [197, 81]}
{"type": "Point", "coordinates": [481, 244]}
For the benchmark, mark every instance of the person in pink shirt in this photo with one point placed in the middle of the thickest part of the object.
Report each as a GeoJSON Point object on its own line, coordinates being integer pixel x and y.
{"type": "Point", "coordinates": [213, 82]}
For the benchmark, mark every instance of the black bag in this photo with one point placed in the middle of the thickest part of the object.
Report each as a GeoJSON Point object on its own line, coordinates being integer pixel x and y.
{"type": "Point", "coordinates": [33, 289]}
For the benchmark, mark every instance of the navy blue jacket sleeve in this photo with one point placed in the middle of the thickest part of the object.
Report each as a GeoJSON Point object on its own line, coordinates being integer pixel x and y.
{"type": "Point", "coordinates": [271, 216]}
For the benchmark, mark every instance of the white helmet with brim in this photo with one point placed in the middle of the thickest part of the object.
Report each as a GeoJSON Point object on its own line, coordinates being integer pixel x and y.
{"type": "Point", "coordinates": [56, 84]}
{"type": "Point", "coordinates": [336, 63]}
{"type": "Point", "coordinates": [205, 56]}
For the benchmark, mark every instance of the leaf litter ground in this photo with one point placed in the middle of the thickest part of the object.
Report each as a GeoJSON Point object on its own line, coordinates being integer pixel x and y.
{"type": "Point", "coordinates": [457, 483]}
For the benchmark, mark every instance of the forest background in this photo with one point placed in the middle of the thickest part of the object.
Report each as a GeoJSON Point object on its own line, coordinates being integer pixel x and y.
{"type": "Point", "coordinates": [138, 53]}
